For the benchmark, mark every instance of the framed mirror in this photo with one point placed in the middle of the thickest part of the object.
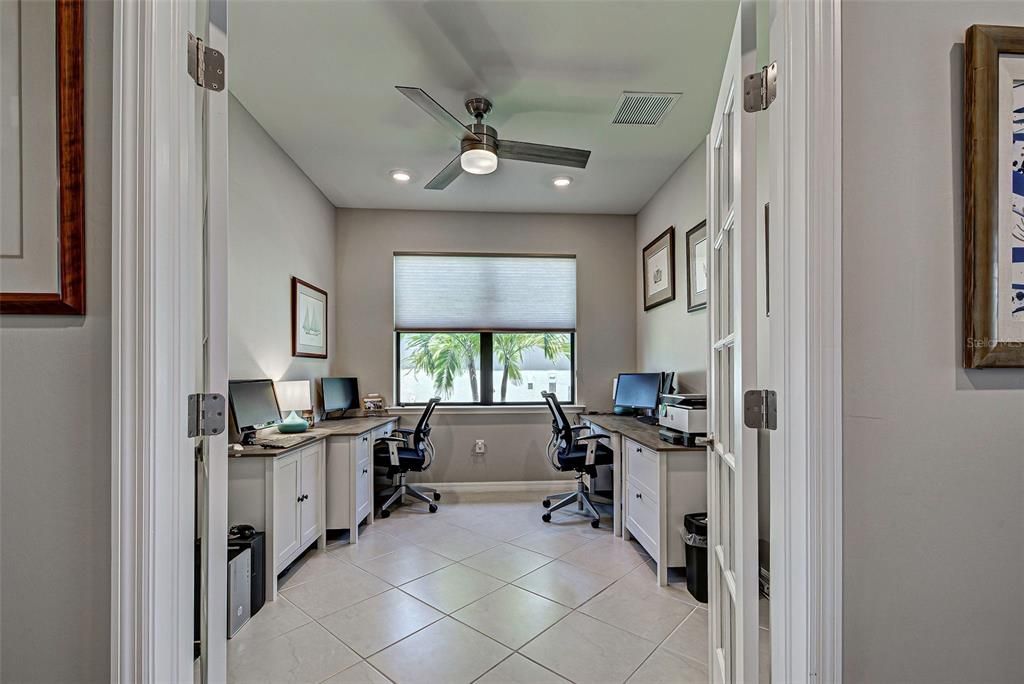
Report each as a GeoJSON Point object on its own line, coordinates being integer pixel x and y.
{"type": "Point", "coordinates": [42, 200]}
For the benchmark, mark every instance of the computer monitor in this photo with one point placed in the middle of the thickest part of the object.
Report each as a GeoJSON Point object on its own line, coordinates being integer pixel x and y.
{"type": "Point", "coordinates": [253, 406]}
{"type": "Point", "coordinates": [340, 394]}
{"type": "Point", "coordinates": [638, 390]}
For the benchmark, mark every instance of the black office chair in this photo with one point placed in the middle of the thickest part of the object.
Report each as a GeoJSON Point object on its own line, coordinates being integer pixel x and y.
{"type": "Point", "coordinates": [569, 450]}
{"type": "Point", "coordinates": [399, 456]}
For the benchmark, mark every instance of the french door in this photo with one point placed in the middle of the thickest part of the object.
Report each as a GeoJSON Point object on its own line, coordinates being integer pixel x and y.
{"type": "Point", "coordinates": [732, 304]}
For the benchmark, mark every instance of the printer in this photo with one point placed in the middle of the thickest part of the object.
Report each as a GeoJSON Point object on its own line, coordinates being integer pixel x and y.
{"type": "Point", "coordinates": [683, 418]}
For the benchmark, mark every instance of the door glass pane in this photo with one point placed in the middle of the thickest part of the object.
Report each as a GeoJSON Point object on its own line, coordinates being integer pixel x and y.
{"type": "Point", "coordinates": [445, 365]}
{"type": "Point", "coordinates": [525, 364]}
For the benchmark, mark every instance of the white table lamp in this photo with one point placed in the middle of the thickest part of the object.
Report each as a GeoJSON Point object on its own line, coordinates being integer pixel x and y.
{"type": "Point", "coordinates": [292, 396]}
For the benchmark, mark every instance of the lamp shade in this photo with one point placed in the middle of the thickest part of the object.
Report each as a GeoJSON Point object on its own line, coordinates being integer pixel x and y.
{"type": "Point", "coordinates": [293, 395]}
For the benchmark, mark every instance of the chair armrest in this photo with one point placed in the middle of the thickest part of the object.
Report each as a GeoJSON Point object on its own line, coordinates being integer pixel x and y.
{"type": "Point", "coordinates": [585, 438]}
{"type": "Point", "coordinates": [592, 441]}
{"type": "Point", "coordinates": [403, 440]}
{"type": "Point", "coordinates": [405, 431]}
{"type": "Point", "coordinates": [392, 443]}
{"type": "Point", "coordinates": [576, 428]}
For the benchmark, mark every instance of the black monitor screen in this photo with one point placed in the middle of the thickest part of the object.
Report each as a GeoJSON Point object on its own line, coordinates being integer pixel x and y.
{"type": "Point", "coordinates": [340, 394]}
{"type": "Point", "coordinates": [638, 390]}
{"type": "Point", "coordinates": [253, 403]}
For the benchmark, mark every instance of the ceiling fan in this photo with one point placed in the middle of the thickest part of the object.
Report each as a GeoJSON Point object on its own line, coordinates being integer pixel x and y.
{"type": "Point", "coordinates": [481, 146]}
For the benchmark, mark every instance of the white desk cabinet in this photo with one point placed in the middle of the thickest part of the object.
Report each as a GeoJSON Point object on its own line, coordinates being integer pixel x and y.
{"type": "Point", "coordinates": [283, 494]}
{"type": "Point", "coordinates": [350, 479]}
{"type": "Point", "coordinates": [660, 488]}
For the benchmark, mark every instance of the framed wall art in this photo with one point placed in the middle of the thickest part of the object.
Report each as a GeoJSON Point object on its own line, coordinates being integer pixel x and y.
{"type": "Point", "coordinates": [659, 257]}
{"type": "Point", "coordinates": [309, 320]}
{"type": "Point", "coordinates": [994, 197]}
{"type": "Point", "coordinates": [42, 124]}
{"type": "Point", "coordinates": [697, 267]}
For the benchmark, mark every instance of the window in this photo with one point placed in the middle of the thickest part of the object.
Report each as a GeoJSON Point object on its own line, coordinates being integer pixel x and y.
{"type": "Point", "coordinates": [484, 329]}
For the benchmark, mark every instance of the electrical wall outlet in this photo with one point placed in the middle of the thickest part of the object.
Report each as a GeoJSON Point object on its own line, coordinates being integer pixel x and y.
{"type": "Point", "coordinates": [480, 448]}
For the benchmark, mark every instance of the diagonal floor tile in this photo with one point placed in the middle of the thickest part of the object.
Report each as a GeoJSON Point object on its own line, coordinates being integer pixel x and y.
{"type": "Point", "coordinates": [583, 649]}
{"type": "Point", "coordinates": [446, 651]}
{"type": "Point", "coordinates": [507, 562]}
{"type": "Point", "coordinates": [690, 639]}
{"type": "Point", "coordinates": [457, 544]}
{"type": "Point", "coordinates": [334, 591]}
{"type": "Point", "coordinates": [378, 622]}
{"type": "Point", "coordinates": [645, 614]}
{"type": "Point", "coordinates": [361, 673]}
{"type": "Point", "coordinates": [273, 620]}
{"type": "Point", "coordinates": [314, 564]}
{"type": "Point", "coordinates": [608, 556]}
{"type": "Point", "coordinates": [511, 615]}
{"type": "Point", "coordinates": [452, 587]}
{"type": "Point", "coordinates": [307, 654]}
{"type": "Point", "coordinates": [404, 565]}
{"type": "Point", "coordinates": [553, 543]}
{"type": "Point", "coordinates": [664, 667]}
{"type": "Point", "coordinates": [645, 579]}
{"type": "Point", "coordinates": [519, 670]}
{"type": "Point", "coordinates": [368, 547]}
{"type": "Point", "coordinates": [563, 582]}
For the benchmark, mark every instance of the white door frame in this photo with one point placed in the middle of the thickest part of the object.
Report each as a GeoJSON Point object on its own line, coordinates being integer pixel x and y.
{"type": "Point", "coordinates": [155, 350]}
{"type": "Point", "coordinates": [806, 342]}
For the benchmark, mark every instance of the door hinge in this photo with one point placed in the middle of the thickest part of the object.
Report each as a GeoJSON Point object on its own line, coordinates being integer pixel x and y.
{"type": "Point", "coordinates": [205, 65]}
{"type": "Point", "coordinates": [205, 414]}
{"type": "Point", "coordinates": [759, 88]}
{"type": "Point", "coordinates": [759, 409]}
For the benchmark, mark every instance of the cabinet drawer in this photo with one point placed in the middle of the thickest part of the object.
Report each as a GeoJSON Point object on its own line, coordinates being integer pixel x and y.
{"type": "Point", "coordinates": [642, 466]}
{"type": "Point", "coordinates": [642, 517]}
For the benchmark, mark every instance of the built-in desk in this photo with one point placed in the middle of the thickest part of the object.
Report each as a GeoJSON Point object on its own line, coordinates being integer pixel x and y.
{"type": "Point", "coordinates": [654, 485]}
{"type": "Point", "coordinates": [296, 494]}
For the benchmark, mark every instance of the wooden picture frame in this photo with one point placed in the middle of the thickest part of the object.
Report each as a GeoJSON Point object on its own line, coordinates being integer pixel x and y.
{"type": "Point", "coordinates": [659, 264]}
{"type": "Point", "coordinates": [991, 240]}
{"type": "Point", "coordinates": [70, 98]}
{"type": "Point", "coordinates": [309, 322]}
{"type": "Point", "coordinates": [697, 299]}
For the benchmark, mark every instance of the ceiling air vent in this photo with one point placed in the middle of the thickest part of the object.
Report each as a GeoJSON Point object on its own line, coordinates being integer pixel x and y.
{"type": "Point", "coordinates": [643, 109]}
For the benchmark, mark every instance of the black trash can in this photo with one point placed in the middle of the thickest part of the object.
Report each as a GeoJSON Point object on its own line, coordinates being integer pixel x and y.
{"type": "Point", "coordinates": [695, 539]}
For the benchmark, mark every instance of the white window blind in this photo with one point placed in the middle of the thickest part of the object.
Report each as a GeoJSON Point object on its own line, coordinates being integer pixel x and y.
{"type": "Point", "coordinates": [485, 292]}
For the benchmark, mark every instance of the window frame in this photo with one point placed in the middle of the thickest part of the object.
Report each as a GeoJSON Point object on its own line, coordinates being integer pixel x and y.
{"type": "Point", "coordinates": [486, 372]}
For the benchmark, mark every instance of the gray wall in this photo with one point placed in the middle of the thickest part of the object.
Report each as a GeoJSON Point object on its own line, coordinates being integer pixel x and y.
{"type": "Point", "coordinates": [606, 341]}
{"type": "Point", "coordinates": [668, 337]}
{"type": "Point", "coordinates": [280, 225]}
{"type": "Point", "coordinates": [933, 455]}
{"type": "Point", "coordinates": [55, 453]}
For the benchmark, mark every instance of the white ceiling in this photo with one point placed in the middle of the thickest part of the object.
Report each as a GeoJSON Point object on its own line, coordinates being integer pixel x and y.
{"type": "Point", "coordinates": [320, 76]}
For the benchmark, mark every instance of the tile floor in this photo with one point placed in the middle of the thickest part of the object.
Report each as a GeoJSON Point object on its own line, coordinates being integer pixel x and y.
{"type": "Point", "coordinates": [481, 591]}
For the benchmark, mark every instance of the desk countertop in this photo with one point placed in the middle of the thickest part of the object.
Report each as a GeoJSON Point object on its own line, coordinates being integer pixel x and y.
{"type": "Point", "coordinates": [641, 433]}
{"type": "Point", "coordinates": [346, 427]}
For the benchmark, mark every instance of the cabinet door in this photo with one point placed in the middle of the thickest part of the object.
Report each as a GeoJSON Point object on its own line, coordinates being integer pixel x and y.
{"type": "Point", "coordinates": [364, 472]}
{"type": "Point", "coordinates": [286, 509]}
{"type": "Point", "coordinates": [309, 486]}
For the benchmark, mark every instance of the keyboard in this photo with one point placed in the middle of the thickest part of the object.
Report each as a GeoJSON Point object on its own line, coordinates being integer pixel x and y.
{"type": "Point", "coordinates": [282, 442]}
{"type": "Point", "coordinates": [648, 420]}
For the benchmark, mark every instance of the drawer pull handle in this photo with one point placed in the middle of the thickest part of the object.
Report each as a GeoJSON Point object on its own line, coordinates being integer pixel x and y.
{"type": "Point", "coordinates": [303, 498]}
{"type": "Point", "coordinates": [639, 495]}
{"type": "Point", "coordinates": [364, 471]}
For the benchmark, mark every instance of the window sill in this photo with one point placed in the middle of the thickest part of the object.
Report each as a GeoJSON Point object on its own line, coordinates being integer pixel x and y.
{"type": "Point", "coordinates": [483, 410]}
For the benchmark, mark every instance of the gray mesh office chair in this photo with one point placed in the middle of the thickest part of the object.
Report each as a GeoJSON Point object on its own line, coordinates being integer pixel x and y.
{"type": "Point", "coordinates": [569, 450]}
{"type": "Point", "coordinates": [399, 455]}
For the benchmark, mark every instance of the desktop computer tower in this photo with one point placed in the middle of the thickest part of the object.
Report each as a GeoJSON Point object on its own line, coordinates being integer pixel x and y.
{"type": "Point", "coordinates": [258, 567]}
{"type": "Point", "coordinates": [239, 588]}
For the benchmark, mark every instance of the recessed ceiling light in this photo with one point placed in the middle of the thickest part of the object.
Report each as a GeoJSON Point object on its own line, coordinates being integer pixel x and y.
{"type": "Point", "coordinates": [561, 181]}
{"type": "Point", "coordinates": [400, 176]}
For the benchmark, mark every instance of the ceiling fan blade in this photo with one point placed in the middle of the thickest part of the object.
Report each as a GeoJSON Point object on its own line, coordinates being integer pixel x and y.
{"type": "Point", "coordinates": [543, 154]}
{"type": "Point", "coordinates": [440, 114]}
{"type": "Point", "coordinates": [446, 176]}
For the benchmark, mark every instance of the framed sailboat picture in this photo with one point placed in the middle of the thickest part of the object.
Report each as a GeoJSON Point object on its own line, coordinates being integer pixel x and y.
{"type": "Point", "coordinates": [309, 320]}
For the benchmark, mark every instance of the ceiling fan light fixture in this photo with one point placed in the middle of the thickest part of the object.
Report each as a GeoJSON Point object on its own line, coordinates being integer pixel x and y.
{"type": "Point", "coordinates": [479, 161]}
{"type": "Point", "coordinates": [401, 176]}
{"type": "Point", "coordinates": [561, 181]}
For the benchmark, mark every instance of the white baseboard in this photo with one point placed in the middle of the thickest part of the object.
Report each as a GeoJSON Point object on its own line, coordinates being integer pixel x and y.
{"type": "Point", "coordinates": [538, 486]}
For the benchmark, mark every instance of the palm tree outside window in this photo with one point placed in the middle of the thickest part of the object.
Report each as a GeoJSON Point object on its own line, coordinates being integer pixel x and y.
{"type": "Point", "coordinates": [485, 368]}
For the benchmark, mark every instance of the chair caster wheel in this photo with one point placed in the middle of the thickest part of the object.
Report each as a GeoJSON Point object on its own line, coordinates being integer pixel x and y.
{"type": "Point", "coordinates": [433, 508]}
{"type": "Point", "coordinates": [595, 524]}
{"type": "Point", "coordinates": [385, 513]}
{"type": "Point", "coordinates": [546, 517]}
{"type": "Point", "coordinates": [547, 503]}
{"type": "Point", "coordinates": [437, 496]}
